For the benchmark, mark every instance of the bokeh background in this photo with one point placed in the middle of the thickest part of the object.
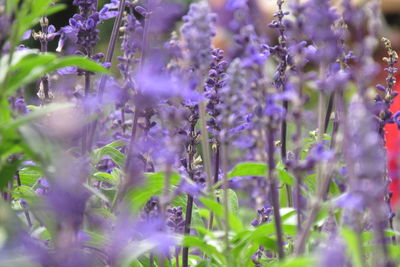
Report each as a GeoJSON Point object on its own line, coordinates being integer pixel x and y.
{"type": "Point", "coordinates": [262, 11]}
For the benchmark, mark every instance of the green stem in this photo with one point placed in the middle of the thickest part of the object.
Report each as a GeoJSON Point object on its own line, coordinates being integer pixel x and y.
{"type": "Point", "coordinates": [225, 202]}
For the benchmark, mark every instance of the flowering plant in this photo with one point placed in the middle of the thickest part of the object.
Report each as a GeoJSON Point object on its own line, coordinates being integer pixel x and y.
{"type": "Point", "coordinates": [274, 148]}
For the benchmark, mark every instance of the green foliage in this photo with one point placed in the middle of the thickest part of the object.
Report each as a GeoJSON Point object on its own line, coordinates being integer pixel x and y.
{"type": "Point", "coordinates": [354, 246]}
{"type": "Point", "coordinates": [33, 66]}
{"type": "Point", "coordinates": [111, 151]}
{"type": "Point", "coordinates": [248, 169]}
{"type": "Point", "coordinates": [153, 185]}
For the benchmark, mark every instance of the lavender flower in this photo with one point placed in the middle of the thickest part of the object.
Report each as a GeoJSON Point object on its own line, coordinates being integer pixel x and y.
{"type": "Point", "coordinates": [232, 121]}
{"type": "Point", "coordinates": [175, 219]}
{"type": "Point", "coordinates": [214, 83]}
{"type": "Point", "coordinates": [321, 33]}
{"type": "Point", "coordinates": [198, 31]}
{"type": "Point", "coordinates": [383, 104]}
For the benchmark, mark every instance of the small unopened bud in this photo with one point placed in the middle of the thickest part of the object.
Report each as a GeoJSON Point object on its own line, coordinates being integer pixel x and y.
{"type": "Point", "coordinates": [44, 22]}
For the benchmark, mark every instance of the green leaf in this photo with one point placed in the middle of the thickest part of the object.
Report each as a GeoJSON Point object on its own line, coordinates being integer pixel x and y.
{"type": "Point", "coordinates": [34, 66]}
{"type": "Point", "coordinates": [353, 246]}
{"type": "Point", "coordinates": [152, 186]}
{"type": "Point", "coordinates": [106, 213]}
{"type": "Point", "coordinates": [96, 193]}
{"type": "Point", "coordinates": [297, 262]}
{"type": "Point", "coordinates": [134, 250]}
{"type": "Point", "coordinates": [218, 209]}
{"type": "Point", "coordinates": [34, 115]}
{"type": "Point", "coordinates": [233, 201]}
{"type": "Point", "coordinates": [194, 241]}
{"type": "Point", "coordinates": [214, 206]}
{"type": "Point", "coordinates": [105, 177]}
{"type": "Point", "coordinates": [284, 176]}
{"type": "Point", "coordinates": [96, 240]}
{"type": "Point", "coordinates": [29, 175]}
{"type": "Point", "coordinates": [23, 191]}
{"type": "Point", "coordinates": [7, 172]}
{"type": "Point", "coordinates": [113, 153]}
{"type": "Point", "coordinates": [248, 169]}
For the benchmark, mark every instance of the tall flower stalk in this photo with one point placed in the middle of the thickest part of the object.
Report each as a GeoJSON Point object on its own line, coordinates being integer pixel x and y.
{"type": "Point", "coordinates": [108, 58]}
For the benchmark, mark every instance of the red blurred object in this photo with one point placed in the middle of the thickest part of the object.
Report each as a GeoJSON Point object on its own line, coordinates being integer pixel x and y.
{"type": "Point", "coordinates": [393, 148]}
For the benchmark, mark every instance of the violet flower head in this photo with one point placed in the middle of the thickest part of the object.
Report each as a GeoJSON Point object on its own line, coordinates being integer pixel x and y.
{"type": "Point", "coordinates": [232, 115]}
{"type": "Point", "coordinates": [214, 83]}
{"type": "Point", "coordinates": [85, 6]}
{"type": "Point", "coordinates": [175, 220]}
{"type": "Point", "coordinates": [383, 104]}
{"type": "Point", "coordinates": [263, 216]}
{"type": "Point", "coordinates": [333, 253]}
{"type": "Point", "coordinates": [82, 28]}
{"type": "Point", "coordinates": [320, 17]}
{"type": "Point", "coordinates": [198, 30]}
{"type": "Point", "coordinates": [365, 146]}
{"type": "Point", "coordinates": [131, 40]}
{"type": "Point", "coordinates": [86, 32]}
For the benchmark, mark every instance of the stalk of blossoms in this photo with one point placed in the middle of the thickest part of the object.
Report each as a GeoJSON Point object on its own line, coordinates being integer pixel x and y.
{"type": "Point", "coordinates": [327, 52]}
{"type": "Point", "coordinates": [214, 82]}
{"type": "Point", "coordinates": [108, 58]}
{"type": "Point", "coordinates": [83, 26]}
{"type": "Point", "coordinates": [198, 30]}
{"type": "Point", "coordinates": [280, 75]}
{"type": "Point", "coordinates": [280, 79]}
{"type": "Point", "coordinates": [229, 119]}
{"type": "Point", "coordinates": [274, 113]}
{"type": "Point", "coordinates": [191, 151]}
{"type": "Point", "coordinates": [297, 82]}
{"type": "Point", "coordinates": [146, 12]}
{"type": "Point", "coordinates": [191, 119]}
{"type": "Point", "coordinates": [385, 115]}
{"type": "Point", "coordinates": [367, 172]}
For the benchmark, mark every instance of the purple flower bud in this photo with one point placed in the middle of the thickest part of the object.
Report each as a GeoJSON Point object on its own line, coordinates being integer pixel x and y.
{"type": "Point", "coordinates": [141, 10]}
{"type": "Point", "coordinates": [381, 88]}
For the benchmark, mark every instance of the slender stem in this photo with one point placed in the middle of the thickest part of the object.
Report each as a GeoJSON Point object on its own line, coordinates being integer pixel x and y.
{"type": "Point", "coordinates": [132, 140]}
{"type": "Point", "coordinates": [141, 65]}
{"type": "Point", "coordinates": [274, 192]}
{"type": "Point", "coordinates": [205, 146]}
{"type": "Point", "coordinates": [322, 184]}
{"type": "Point", "coordinates": [189, 203]}
{"type": "Point", "coordinates": [111, 46]}
{"type": "Point", "coordinates": [225, 201]}
{"type": "Point", "coordinates": [297, 173]}
{"type": "Point", "coordinates": [284, 152]}
{"type": "Point", "coordinates": [360, 244]}
{"type": "Point", "coordinates": [26, 212]}
{"type": "Point", "coordinates": [329, 111]}
{"type": "Point", "coordinates": [151, 259]}
{"type": "Point", "coordinates": [85, 127]}
{"type": "Point", "coordinates": [301, 241]}
{"type": "Point", "coordinates": [338, 111]}
{"type": "Point", "coordinates": [216, 174]}
{"type": "Point", "coordinates": [108, 58]}
{"type": "Point", "coordinates": [283, 134]}
{"type": "Point", "coordinates": [298, 202]}
{"type": "Point", "coordinates": [206, 150]}
{"type": "Point", "coordinates": [188, 220]}
{"type": "Point", "coordinates": [321, 109]}
{"type": "Point", "coordinates": [177, 256]}
{"type": "Point", "coordinates": [216, 166]}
